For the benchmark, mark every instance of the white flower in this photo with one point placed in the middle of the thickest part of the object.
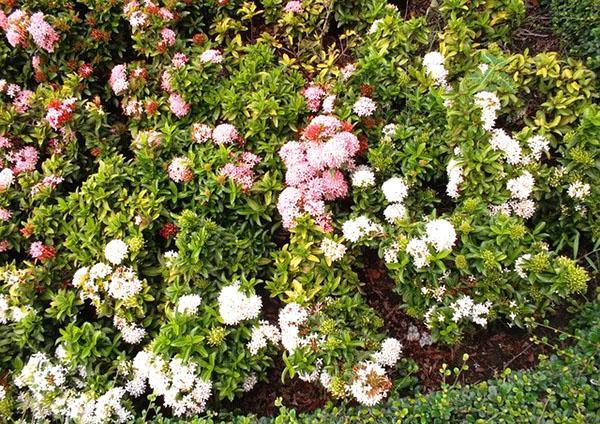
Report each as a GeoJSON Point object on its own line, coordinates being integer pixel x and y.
{"type": "Point", "coordinates": [434, 68]}
{"type": "Point", "coordinates": [364, 106]}
{"type": "Point", "coordinates": [390, 254]}
{"type": "Point", "coordinates": [538, 144]}
{"type": "Point", "coordinates": [124, 284]}
{"type": "Point", "coordinates": [4, 309]}
{"type": "Point", "coordinates": [389, 130]}
{"type": "Point", "coordinates": [332, 250]}
{"type": "Point", "coordinates": [132, 333]}
{"type": "Point", "coordinates": [395, 189]}
{"type": "Point", "coordinates": [261, 334]}
{"type": "Point", "coordinates": [465, 307]}
{"type": "Point", "coordinates": [519, 265]}
{"type": "Point", "coordinates": [394, 212]}
{"type": "Point", "coordinates": [363, 176]}
{"type": "Point", "coordinates": [235, 306]}
{"type": "Point", "coordinates": [115, 251]}
{"type": "Point", "coordinates": [455, 178]}
{"type": "Point", "coordinates": [389, 353]}
{"type": "Point", "coordinates": [80, 277]}
{"type": "Point", "coordinates": [6, 178]}
{"type": "Point", "coordinates": [357, 228]}
{"type": "Point", "coordinates": [417, 249]}
{"type": "Point", "coordinates": [249, 382]}
{"type": "Point", "coordinates": [523, 208]}
{"type": "Point", "coordinates": [370, 384]}
{"type": "Point", "coordinates": [502, 141]}
{"type": "Point", "coordinates": [290, 317]}
{"type": "Point", "coordinates": [188, 304]}
{"type": "Point", "coordinates": [489, 104]}
{"type": "Point", "coordinates": [2, 392]}
{"type": "Point", "coordinates": [441, 234]}
{"type": "Point", "coordinates": [99, 270]}
{"type": "Point", "coordinates": [579, 190]}
{"type": "Point", "coordinates": [521, 187]}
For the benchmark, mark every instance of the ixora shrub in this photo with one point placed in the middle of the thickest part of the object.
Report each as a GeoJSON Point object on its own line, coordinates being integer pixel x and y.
{"type": "Point", "coordinates": [189, 188]}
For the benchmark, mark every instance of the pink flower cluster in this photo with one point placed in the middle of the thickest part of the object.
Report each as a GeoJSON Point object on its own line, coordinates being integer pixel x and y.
{"type": "Point", "coordinates": [168, 36]}
{"type": "Point", "coordinates": [60, 112]}
{"type": "Point", "coordinates": [211, 56]}
{"type": "Point", "coordinates": [40, 251]}
{"type": "Point", "coordinates": [21, 98]}
{"type": "Point", "coordinates": [17, 24]}
{"type": "Point", "coordinates": [42, 32]}
{"type": "Point", "coordinates": [243, 171]}
{"type": "Point", "coordinates": [138, 15]}
{"type": "Point", "coordinates": [24, 159]}
{"type": "Point", "coordinates": [201, 132]}
{"type": "Point", "coordinates": [5, 214]}
{"type": "Point", "coordinates": [118, 79]}
{"type": "Point", "coordinates": [313, 95]}
{"type": "Point", "coordinates": [50, 181]}
{"type": "Point", "coordinates": [178, 105]}
{"type": "Point", "coordinates": [225, 134]}
{"type": "Point", "coordinates": [179, 170]}
{"type": "Point", "coordinates": [293, 6]}
{"type": "Point", "coordinates": [314, 166]}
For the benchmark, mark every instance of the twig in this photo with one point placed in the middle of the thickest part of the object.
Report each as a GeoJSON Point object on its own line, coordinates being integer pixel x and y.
{"type": "Point", "coordinates": [515, 357]}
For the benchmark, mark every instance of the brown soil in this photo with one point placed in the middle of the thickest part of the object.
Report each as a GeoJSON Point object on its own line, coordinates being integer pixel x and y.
{"type": "Point", "coordinates": [535, 33]}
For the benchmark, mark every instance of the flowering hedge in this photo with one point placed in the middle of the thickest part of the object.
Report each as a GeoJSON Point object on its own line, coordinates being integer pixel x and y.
{"type": "Point", "coordinates": [167, 167]}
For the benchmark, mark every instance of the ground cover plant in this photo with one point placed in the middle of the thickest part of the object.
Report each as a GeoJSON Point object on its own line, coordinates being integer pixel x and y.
{"type": "Point", "coordinates": [206, 200]}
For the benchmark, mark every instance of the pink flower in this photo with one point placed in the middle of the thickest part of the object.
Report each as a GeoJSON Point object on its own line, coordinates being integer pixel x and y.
{"type": "Point", "coordinates": [24, 160]}
{"type": "Point", "coordinates": [242, 172]}
{"type": "Point", "coordinates": [178, 105]}
{"type": "Point", "coordinates": [168, 36]}
{"type": "Point", "coordinates": [5, 143]}
{"type": "Point", "coordinates": [348, 70]}
{"type": "Point", "coordinates": [42, 33]}
{"type": "Point", "coordinates": [165, 81]}
{"type": "Point", "coordinates": [40, 251]}
{"type": "Point", "coordinates": [118, 79]}
{"type": "Point", "coordinates": [201, 133]}
{"type": "Point", "coordinates": [16, 27]}
{"type": "Point", "coordinates": [211, 56]}
{"type": "Point", "coordinates": [364, 106]}
{"type": "Point", "coordinates": [225, 134]}
{"type": "Point", "coordinates": [313, 96]}
{"type": "Point", "coordinates": [293, 6]}
{"type": "Point", "coordinates": [328, 104]}
{"type": "Point", "coordinates": [22, 101]}
{"type": "Point", "coordinates": [3, 246]}
{"type": "Point", "coordinates": [179, 60]}
{"type": "Point", "coordinates": [132, 107]}
{"type": "Point", "coordinates": [50, 181]}
{"type": "Point", "coordinates": [59, 113]}
{"type": "Point", "coordinates": [5, 214]}
{"type": "Point", "coordinates": [179, 170]}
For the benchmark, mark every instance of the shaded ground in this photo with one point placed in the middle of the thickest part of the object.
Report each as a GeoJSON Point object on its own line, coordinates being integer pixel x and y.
{"type": "Point", "coordinates": [535, 33]}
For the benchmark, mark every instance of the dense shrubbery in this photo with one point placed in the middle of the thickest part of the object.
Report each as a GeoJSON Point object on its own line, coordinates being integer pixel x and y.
{"type": "Point", "coordinates": [166, 167]}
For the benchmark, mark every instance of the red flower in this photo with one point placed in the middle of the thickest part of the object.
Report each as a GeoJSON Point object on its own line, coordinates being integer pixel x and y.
{"type": "Point", "coordinates": [85, 70]}
{"type": "Point", "coordinates": [168, 230]}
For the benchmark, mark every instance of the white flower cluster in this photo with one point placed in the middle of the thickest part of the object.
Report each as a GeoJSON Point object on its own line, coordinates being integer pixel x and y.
{"type": "Point", "coordinates": [489, 104]}
{"type": "Point", "coordinates": [390, 254]}
{"type": "Point", "coordinates": [455, 178]}
{"type": "Point", "coordinates": [250, 382]}
{"type": "Point", "coordinates": [182, 390]}
{"type": "Point", "coordinates": [389, 353]}
{"type": "Point", "coordinates": [440, 233]}
{"type": "Point", "coordinates": [121, 283]}
{"type": "Point", "coordinates": [188, 304]}
{"type": "Point", "coordinates": [578, 190]}
{"type": "Point", "coordinates": [357, 228]}
{"type": "Point", "coordinates": [11, 313]}
{"type": "Point", "coordinates": [6, 179]}
{"type": "Point", "coordinates": [395, 191]}
{"type": "Point", "coordinates": [290, 319]}
{"type": "Point", "coordinates": [107, 408]}
{"type": "Point", "coordinates": [519, 265]}
{"type": "Point", "coordinates": [261, 334]}
{"type": "Point", "coordinates": [235, 306]}
{"type": "Point", "coordinates": [537, 145]}
{"type": "Point", "coordinates": [370, 383]}
{"type": "Point", "coordinates": [521, 187]}
{"type": "Point", "coordinates": [363, 176]}
{"type": "Point", "coordinates": [465, 307]}
{"type": "Point", "coordinates": [332, 250]}
{"type": "Point", "coordinates": [434, 67]}
{"type": "Point", "coordinates": [131, 332]}
{"type": "Point", "coordinates": [115, 251]}
{"type": "Point", "coordinates": [505, 143]}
